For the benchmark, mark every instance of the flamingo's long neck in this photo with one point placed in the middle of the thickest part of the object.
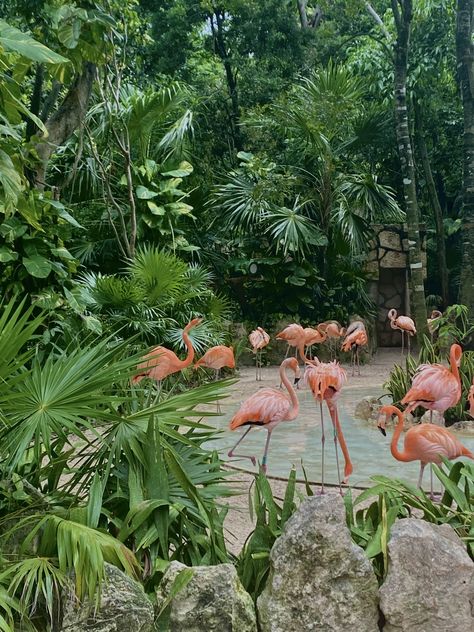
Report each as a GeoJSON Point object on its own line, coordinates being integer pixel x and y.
{"type": "Point", "coordinates": [295, 405]}
{"type": "Point", "coordinates": [400, 456]}
{"type": "Point", "coordinates": [342, 442]}
{"type": "Point", "coordinates": [454, 368]}
{"type": "Point", "coordinates": [189, 346]}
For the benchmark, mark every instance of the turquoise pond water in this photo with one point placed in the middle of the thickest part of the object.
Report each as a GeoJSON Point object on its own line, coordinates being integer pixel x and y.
{"type": "Point", "coordinates": [300, 440]}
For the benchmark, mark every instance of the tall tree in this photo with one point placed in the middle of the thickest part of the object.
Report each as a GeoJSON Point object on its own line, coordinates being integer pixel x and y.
{"type": "Point", "coordinates": [435, 204]}
{"type": "Point", "coordinates": [465, 63]}
{"type": "Point", "coordinates": [403, 14]}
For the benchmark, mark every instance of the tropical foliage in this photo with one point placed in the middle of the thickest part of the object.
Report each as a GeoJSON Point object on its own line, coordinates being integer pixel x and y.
{"type": "Point", "coordinates": [370, 525]}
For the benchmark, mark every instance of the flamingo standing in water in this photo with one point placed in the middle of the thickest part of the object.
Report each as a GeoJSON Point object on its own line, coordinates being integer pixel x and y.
{"type": "Point", "coordinates": [326, 380]}
{"type": "Point", "coordinates": [161, 362]}
{"type": "Point", "coordinates": [425, 443]}
{"type": "Point", "coordinates": [403, 323]}
{"type": "Point", "coordinates": [356, 337]}
{"type": "Point", "coordinates": [268, 407]}
{"type": "Point", "coordinates": [258, 339]}
{"type": "Point", "coordinates": [216, 358]}
{"type": "Point", "coordinates": [313, 337]}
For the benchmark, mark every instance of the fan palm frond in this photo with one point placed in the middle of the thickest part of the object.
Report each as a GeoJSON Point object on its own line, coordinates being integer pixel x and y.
{"type": "Point", "coordinates": [292, 231]}
{"type": "Point", "coordinates": [160, 273]}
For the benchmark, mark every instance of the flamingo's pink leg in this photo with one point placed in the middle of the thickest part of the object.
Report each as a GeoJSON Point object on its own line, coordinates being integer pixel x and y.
{"type": "Point", "coordinates": [231, 452]}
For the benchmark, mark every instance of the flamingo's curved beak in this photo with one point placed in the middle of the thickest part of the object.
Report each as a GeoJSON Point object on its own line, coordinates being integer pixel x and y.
{"type": "Point", "coordinates": [382, 430]}
{"type": "Point", "coordinates": [297, 379]}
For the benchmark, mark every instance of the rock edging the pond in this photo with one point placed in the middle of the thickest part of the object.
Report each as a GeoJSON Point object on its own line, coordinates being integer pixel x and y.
{"type": "Point", "coordinates": [319, 580]}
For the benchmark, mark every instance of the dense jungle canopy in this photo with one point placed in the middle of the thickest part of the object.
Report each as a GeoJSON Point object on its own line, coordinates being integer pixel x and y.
{"type": "Point", "coordinates": [257, 142]}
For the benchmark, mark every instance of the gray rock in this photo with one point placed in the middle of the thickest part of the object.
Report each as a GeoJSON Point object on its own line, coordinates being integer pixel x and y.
{"type": "Point", "coordinates": [465, 425]}
{"type": "Point", "coordinates": [124, 607]}
{"type": "Point", "coordinates": [437, 418]}
{"type": "Point", "coordinates": [319, 579]}
{"type": "Point", "coordinates": [213, 601]}
{"type": "Point", "coordinates": [430, 581]}
{"type": "Point", "coordinates": [367, 408]}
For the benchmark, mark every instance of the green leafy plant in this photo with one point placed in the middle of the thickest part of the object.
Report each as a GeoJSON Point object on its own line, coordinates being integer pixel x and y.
{"type": "Point", "coordinates": [253, 563]}
{"type": "Point", "coordinates": [370, 526]}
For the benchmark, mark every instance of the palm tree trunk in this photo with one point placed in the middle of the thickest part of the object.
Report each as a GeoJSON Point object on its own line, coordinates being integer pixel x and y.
{"type": "Point", "coordinates": [465, 62]}
{"type": "Point", "coordinates": [435, 205]}
{"type": "Point", "coordinates": [402, 10]}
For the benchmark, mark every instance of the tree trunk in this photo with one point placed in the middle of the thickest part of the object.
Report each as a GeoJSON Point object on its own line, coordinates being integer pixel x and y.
{"type": "Point", "coordinates": [231, 76]}
{"type": "Point", "coordinates": [402, 10]}
{"type": "Point", "coordinates": [435, 205]}
{"type": "Point", "coordinates": [465, 64]}
{"type": "Point", "coordinates": [302, 11]}
{"type": "Point", "coordinates": [66, 119]}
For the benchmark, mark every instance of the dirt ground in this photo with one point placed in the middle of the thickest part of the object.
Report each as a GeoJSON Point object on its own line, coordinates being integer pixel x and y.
{"type": "Point", "coordinates": [238, 523]}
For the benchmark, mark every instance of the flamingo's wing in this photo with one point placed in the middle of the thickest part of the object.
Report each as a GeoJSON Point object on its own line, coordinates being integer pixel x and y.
{"type": "Point", "coordinates": [261, 408]}
{"type": "Point", "coordinates": [433, 442]}
{"type": "Point", "coordinates": [433, 383]}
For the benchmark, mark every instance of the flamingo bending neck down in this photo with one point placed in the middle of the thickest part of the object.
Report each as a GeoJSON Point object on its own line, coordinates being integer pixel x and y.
{"type": "Point", "coordinates": [268, 407]}
{"type": "Point", "coordinates": [326, 380]}
{"type": "Point", "coordinates": [312, 337]}
{"type": "Point", "coordinates": [161, 362]}
{"type": "Point", "coordinates": [356, 337]}
{"type": "Point", "coordinates": [333, 330]}
{"type": "Point", "coordinates": [426, 443]}
{"type": "Point", "coordinates": [404, 324]}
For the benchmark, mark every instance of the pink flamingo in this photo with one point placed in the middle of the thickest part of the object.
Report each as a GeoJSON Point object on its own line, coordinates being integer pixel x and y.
{"type": "Point", "coordinates": [295, 337]}
{"type": "Point", "coordinates": [313, 337]}
{"type": "Point", "coordinates": [216, 358]}
{"type": "Point", "coordinates": [404, 323]}
{"type": "Point", "coordinates": [258, 339]}
{"type": "Point", "coordinates": [268, 407]}
{"type": "Point", "coordinates": [425, 443]}
{"type": "Point", "coordinates": [326, 380]}
{"type": "Point", "coordinates": [434, 386]}
{"type": "Point", "coordinates": [333, 331]}
{"type": "Point", "coordinates": [161, 362]}
{"type": "Point", "coordinates": [470, 399]}
{"type": "Point", "coordinates": [352, 342]}
{"type": "Point", "coordinates": [433, 323]}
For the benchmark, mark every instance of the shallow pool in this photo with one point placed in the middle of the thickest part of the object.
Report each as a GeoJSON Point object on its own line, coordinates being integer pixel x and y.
{"type": "Point", "coordinates": [300, 440]}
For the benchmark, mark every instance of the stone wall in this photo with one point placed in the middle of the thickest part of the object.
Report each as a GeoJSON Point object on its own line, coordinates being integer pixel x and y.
{"type": "Point", "coordinates": [387, 272]}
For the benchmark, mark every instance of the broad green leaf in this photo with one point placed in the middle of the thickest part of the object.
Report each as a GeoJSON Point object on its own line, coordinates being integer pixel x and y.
{"type": "Point", "coordinates": [7, 255]}
{"type": "Point", "coordinates": [10, 179]}
{"type": "Point", "coordinates": [15, 40]}
{"type": "Point", "coordinates": [37, 266]}
{"type": "Point", "coordinates": [155, 209]}
{"type": "Point", "coordinates": [145, 194]}
{"type": "Point", "coordinates": [184, 169]}
{"type": "Point", "coordinates": [62, 252]}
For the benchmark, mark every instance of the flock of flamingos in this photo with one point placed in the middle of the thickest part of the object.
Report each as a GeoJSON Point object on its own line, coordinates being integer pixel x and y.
{"type": "Point", "coordinates": [434, 387]}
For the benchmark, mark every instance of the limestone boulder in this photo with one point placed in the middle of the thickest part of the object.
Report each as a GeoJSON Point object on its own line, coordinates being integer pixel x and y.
{"type": "Point", "coordinates": [430, 580]}
{"type": "Point", "coordinates": [437, 418]}
{"type": "Point", "coordinates": [213, 601]}
{"type": "Point", "coordinates": [123, 607]}
{"type": "Point", "coordinates": [466, 426]}
{"type": "Point", "coordinates": [368, 408]}
{"type": "Point", "coordinates": [319, 579]}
